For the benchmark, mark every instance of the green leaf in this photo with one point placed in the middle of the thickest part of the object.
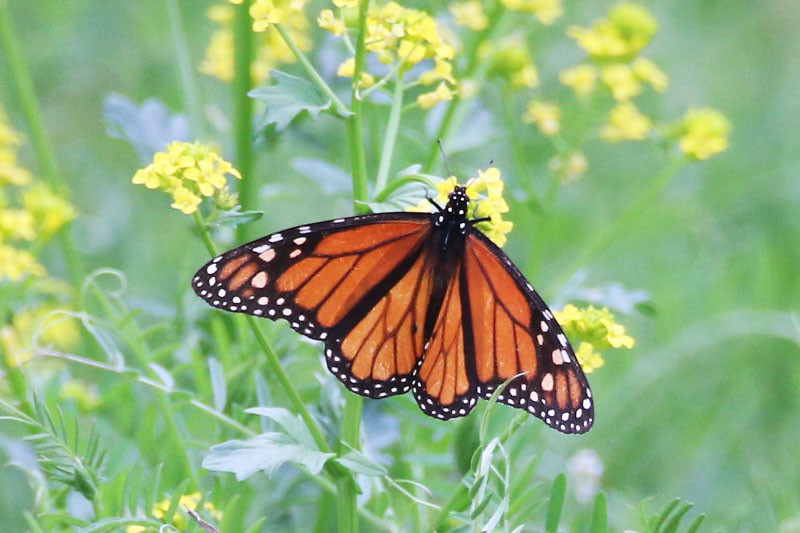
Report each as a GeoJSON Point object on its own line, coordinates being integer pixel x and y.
{"type": "Point", "coordinates": [696, 524]}
{"type": "Point", "coordinates": [265, 452]}
{"type": "Point", "coordinates": [556, 503]}
{"type": "Point", "coordinates": [599, 522]}
{"type": "Point", "coordinates": [218, 385]}
{"type": "Point", "coordinates": [293, 425]}
{"type": "Point", "coordinates": [672, 525]}
{"type": "Point", "coordinates": [233, 217]}
{"type": "Point", "coordinates": [360, 464]}
{"type": "Point", "coordinates": [289, 97]}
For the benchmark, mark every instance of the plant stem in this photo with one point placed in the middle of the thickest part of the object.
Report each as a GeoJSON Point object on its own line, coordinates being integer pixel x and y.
{"type": "Point", "coordinates": [341, 109]}
{"type": "Point", "coordinates": [399, 182]}
{"type": "Point", "coordinates": [191, 99]}
{"type": "Point", "coordinates": [634, 209]}
{"type": "Point", "coordinates": [472, 64]}
{"type": "Point", "coordinates": [243, 110]}
{"type": "Point", "coordinates": [391, 134]}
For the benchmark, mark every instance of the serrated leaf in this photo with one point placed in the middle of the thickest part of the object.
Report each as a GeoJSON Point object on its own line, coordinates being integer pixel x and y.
{"type": "Point", "coordinates": [287, 98]}
{"type": "Point", "coordinates": [265, 452]}
{"type": "Point", "coordinates": [293, 425]}
{"type": "Point", "coordinates": [360, 464]}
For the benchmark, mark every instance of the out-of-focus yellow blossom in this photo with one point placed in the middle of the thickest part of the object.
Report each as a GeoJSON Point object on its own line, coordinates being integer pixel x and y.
{"type": "Point", "coordinates": [180, 518]}
{"type": "Point", "coordinates": [85, 397]}
{"type": "Point", "coordinates": [581, 78]}
{"type": "Point", "coordinates": [589, 359]}
{"type": "Point", "coordinates": [593, 325]}
{"type": "Point", "coordinates": [546, 115]}
{"type": "Point", "coordinates": [442, 93]}
{"type": "Point", "coordinates": [622, 81]}
{"type": "Point", "coordinates": [547, 11]}
{"type": "Point", "coordinates": [348, 68]}
{"type": "Point", "coordinates": [513, 62]}
{"type": "Point", "coordinates": [705, 132]}
{"type": "Point", "coordinates": [8, 135]}
{"type": "Point", "coordinates": [346, 3]}
{"type": "Point", "coordinates": [328, 21]}
{"type": "Point", "coordinates": [467, 89]}
{"type": "Point", "coordinates": [572, 169]}
{"type": "Point", "coordinates": [626, 31]}
{"type": "Point", "coordinates": [58, 331]}
{"type": "Point", "coordinates": [268, 12]}
{"type": "Point", "coordinates": [270, 49]}
{"type": "Point", "coordinates": [469, 14]}
{"type": "Point", "coordinates": [16, 224]}
{"type": "Point", "coordinates": [648, 72]}
{"type": "Point", "coordinates": [403, 37]}
{"type": "Point", "coordinates": [626, 123]}
{"type": "Point", "coordinates": [13, 353]}
{"type": "Point", "coordinates": [49, 211]}
{"type": "Point", "coordinates": [15, 264]}
{"type": "Point", "coordinates": [187, 171]}
{"type": "Point", "coordinates": [485, 193]}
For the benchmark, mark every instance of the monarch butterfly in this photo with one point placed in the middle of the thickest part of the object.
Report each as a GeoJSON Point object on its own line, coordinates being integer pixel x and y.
{"type": "Point", "coordinates": [411, 301]}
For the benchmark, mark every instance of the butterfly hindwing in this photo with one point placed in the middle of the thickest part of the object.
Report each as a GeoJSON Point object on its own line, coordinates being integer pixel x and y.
{"type": "Point", "coordinates": [515, 336]}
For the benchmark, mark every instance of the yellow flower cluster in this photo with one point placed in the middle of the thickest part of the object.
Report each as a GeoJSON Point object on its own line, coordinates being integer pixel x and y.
{"type": "Point", "coordinates": [513, 63]}
{"type": "Point", "coordinates": [546, 115]}
{"type": "Point", "coordinates": [270, 49]}
{"type": "Point", "coordinates": [547, 11]}
{"type": "Point", "coordinates": [626, 123]}
{"type": "Point", "coordinates": [401, 37]}
{"type": "Point", "coordinates": [705, 133]}
{"type": "Point", "coordinates": [596, 329]}
{"type": "Point", "coordinates": [188, 171]}
{"type": "Point", "coordinates": [469, 14]}
{"type": "Point", "coordinates": [268, 12]}
{"type": "Point", "coordinates": [180, 519]}
{"type": "Point", "coordinates": [86, 398]}
{"type": "Point", "coordinates": [58, 331]}
{"type": "Point", "coordinates": [570, 168]}
{"type": "Point", "coordinates": [485, 192]}
{"type": "Point", "coordinates": [30, 213]}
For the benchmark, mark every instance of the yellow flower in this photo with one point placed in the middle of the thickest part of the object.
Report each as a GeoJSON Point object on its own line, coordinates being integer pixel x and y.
{"type": "Point", "coordinates": [10, 172]}
{"type": "Point", "coordinates": [485, 193]}
{"type": "Point", "coordinates": [442, 71]}
{"type": "Point", "coordinates": [581, 78]}
{"type": "Point", "coordinates": [705, 133]}
{"type": "Point", "coordinates": [547, 116]}
{"type": "Point", "coordinates": [328, 21]}
{"type": "Point", "coordinates": [441, 94]}
{"type": "Point", "coordinates": [595, 326]}
{"type": "Point", "coordinates": [56, 330]}
{"type": "Point", "coordinates": [86, 398]}
{"type": "Point", "coordinates": [16, 264]}
{"type": "Point", "coordinates": [16, 224]}
{"type": "Point", "coordinates": [626, 31]}
{"type": "Point", "coordinates": [589, 359]}
{"type": "Point", "coordinates": [648, 72]}
{"type": "Point", "coordinates": [346, 3]}
{"type": "Point", "coordinates": [469, 14]}
{"type": "Point", "coordinates": [267, 12]}
{"type": "Point", "coordinates": [572, 169]}
{"type": "Point", "coordinates": [49, 211]}
{"type": "Point", "coordinates": [626, 123]}
{"type": "Point", "coordinates": [513, 63]}
{"type": "Point", "coordinates": [179, 519]}
{"type": "Point", "coordinates": [547, 11]}
{"type": "Point", "coordinates": [188, 172]}
{"type": "Point", "coordinates": [622, 81]}
{"type": "Point", "coordinates": [348, 68]}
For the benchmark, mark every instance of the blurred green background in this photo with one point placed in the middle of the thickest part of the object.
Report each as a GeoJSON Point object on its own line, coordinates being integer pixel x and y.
{"type": "Point", "coordinates": [706, 407]}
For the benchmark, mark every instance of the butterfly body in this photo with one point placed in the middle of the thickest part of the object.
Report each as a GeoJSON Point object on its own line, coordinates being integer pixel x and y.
{"type": "Point", "coordinates": [411, 302]}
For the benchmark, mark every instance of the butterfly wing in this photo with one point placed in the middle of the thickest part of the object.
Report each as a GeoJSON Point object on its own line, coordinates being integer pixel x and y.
{"type": "Point", "coordinates": [511, 332]}
{"type": "Point", "coordinates": [362, 284]}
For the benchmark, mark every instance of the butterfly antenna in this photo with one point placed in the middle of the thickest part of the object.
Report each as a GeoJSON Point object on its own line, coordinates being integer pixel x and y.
{"type": "Point", "coordinates": [444, 157]}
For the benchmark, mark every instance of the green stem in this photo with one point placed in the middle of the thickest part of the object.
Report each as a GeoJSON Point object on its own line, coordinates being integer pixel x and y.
{"type": "Point", "coordinates": [341, 109]}
{"type": "Point", "coordinates": [355, 126]}
{"type": "Point", "coordinates": [472, 64]}
{"type": "Point", "coordinates": [391, 134]}
{"type": "Point", "coordinates": [191, 99]}
{"type": "Point", "coordinates": [399, 182]}
{"type": "Point", "coordinates": [43, 148]}
{"type": "Point", "coordinates": [634, 210]}
{"type": "Point", "coordinates": [243, 110]}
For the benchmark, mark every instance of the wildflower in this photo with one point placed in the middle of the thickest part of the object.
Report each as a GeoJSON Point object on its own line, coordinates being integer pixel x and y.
{"type": "Point", "coordinates": [188, 172]}
{"type": "Point", "coordinates": [572, 169]}
{"type": "Point", "coordinates": [16, 224]}
{"type": "Point", "coordinates": [49, 211]}
{"type": "Point", "coordinates": [179, 519]}
{"type": "Point", "coordinates": [470, 14]}
{"type": "Point", "coordinates": [10, 172]}
{"type": "Point", "coordinates": [346, 3]}
{"type": "Point", "coordinates": [626, 123]}
{"type": "Point", "coordinates": [648, 72]}
{"type": "Point", "coordinates": [622, 81]}
{"type": "Point", "coordinates": [545, 115]}
{"type": "Point", "coordinates": [626, 31]}
{"type": "Point", "coordinates": [16, 264]}
{"type": "Point", "coordinates": [348, 68]}
{"type": "Point", "coordinates": [513, 62]}
{"type": "Point", "coordinates": [441, 94]}
{"type": "Point", "coordinates": [267, 12]}
{"type": "Point", "coordinates": [705, 133]}
{"type": "Point", "coordinates": [547, 11]}
{"type": "Point", "coordinates": [84, 397]}
{"type": "Point", "coordinates": [586, 469]}
{"type": "Point", "coordinates": [443, 70]}
{"type": "Point", "coordinates": [597, 330]}
{"type": "Point", "coordinates": [328, 21]}
{"type": "Point", "coordinates": [581, 78]}
{"type": "Point", "coordinates": [485, 193]}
